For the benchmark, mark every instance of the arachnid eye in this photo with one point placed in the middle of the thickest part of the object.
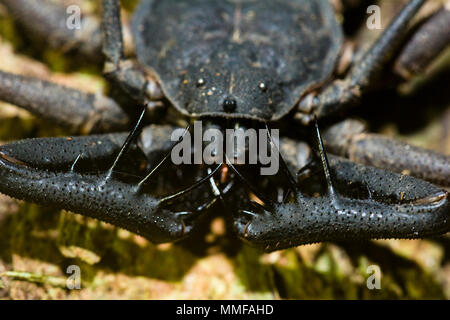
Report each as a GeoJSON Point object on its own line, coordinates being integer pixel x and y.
{"type": "Point", "coordinates": [262, 86]}
{"type": "Point", "coordinates": [229, 105]}
{"type": "Point", "coordinates": [201, 82]}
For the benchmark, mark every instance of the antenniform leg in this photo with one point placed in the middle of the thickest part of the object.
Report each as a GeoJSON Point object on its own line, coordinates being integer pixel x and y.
{"type": "Point", "coordinates": [349, 139]}
{"type": "Point", "coordinates": [59, 172]}
{"type": "Point", "coordinates": [365, 203]}
{"type": "Point", "coordinates": [342, 93]}
{"type": "Point", "coordinates": [82, 112]}
{"type": "Point", "coordinates": [49, 21]}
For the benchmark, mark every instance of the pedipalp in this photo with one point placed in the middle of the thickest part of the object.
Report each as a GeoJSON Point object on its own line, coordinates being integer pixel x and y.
{"type": "Point", "coordinates": [395, 206]}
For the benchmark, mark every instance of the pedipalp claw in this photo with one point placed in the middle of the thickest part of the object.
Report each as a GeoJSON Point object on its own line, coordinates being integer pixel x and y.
{"type": "Point", "coordinates": [41, 171]}
{"type": "Point", "coordinates": [397, 206]}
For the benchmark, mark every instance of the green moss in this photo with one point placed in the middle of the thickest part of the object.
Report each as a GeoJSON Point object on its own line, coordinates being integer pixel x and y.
{"type": "Point", "coordinates": [8, 31]}
{"type": "Point", "coordinates": [254, 276]}
{"type": "Point", "coordinates": [129, 5]}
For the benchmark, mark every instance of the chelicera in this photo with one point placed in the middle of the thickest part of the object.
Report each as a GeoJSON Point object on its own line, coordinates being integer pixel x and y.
{"type": "Point", "coordinates": [229, 63]}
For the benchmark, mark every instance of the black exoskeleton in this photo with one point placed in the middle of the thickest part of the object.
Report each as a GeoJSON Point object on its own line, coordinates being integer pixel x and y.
{"type": "Point", "coordinates": [230, 63]}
